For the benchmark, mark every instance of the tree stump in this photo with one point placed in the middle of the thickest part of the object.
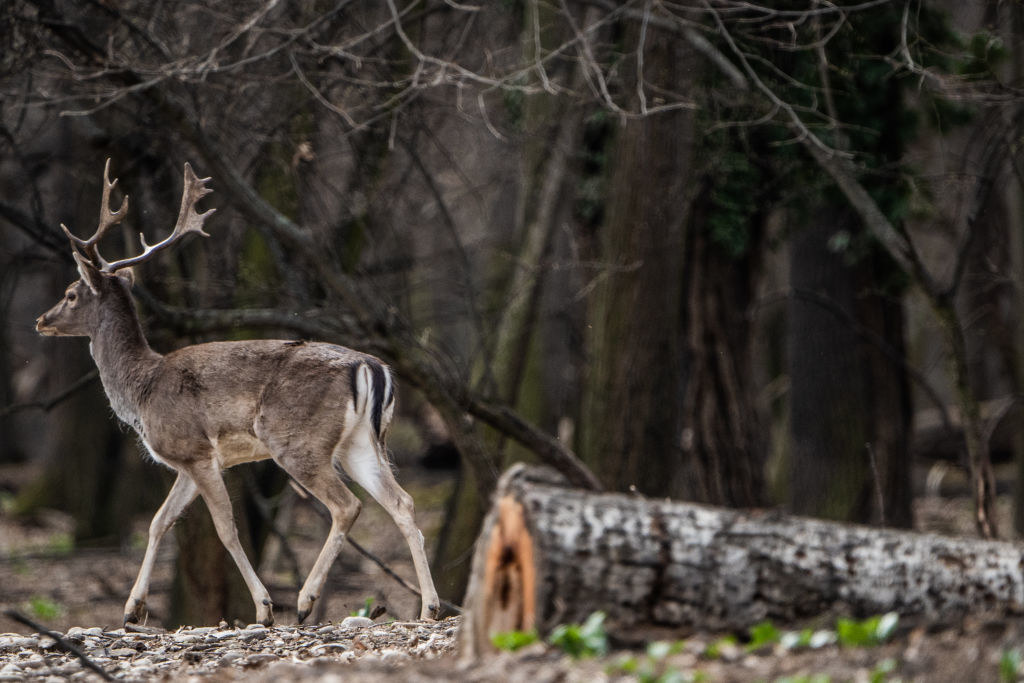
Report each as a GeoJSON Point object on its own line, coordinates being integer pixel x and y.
{"type": "Point", "coordinates": [550, 555]}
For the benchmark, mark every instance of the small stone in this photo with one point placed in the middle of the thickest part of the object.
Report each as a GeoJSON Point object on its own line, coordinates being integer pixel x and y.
{"type": "Point", "coordinates": [254, 634]}
{"type": "Point", "coordinates": [393, 657]}
{"type": "Point", "coordinates": [356, 622]}
{"type": "Point", "coordinates": [16, 642]}
{"type": "Point", "coordinates": [123, 652]}
{"type": "Point", "coordinates": [222, 635]}
{"type": "Point", "coordinates": [326, 630]}
{"type": "Point", "coordinates": [33, 662]}
{"type": "Point", "coordinates": [260, 658]}
{"type": "Point", "coordinates": [200, 630]}
{"type": "Point", "coordinates": [229, 657]}
{"type": "Point", "coordinates": [11, 672]}
{"type": "Point", "coordinates": [324, 648]}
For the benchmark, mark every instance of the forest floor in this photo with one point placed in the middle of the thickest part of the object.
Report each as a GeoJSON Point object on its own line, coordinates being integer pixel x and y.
{"type": "Point", "coordinates": [80, 593]}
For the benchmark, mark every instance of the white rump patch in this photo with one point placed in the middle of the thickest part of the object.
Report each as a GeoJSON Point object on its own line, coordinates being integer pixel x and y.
{"type": "Point", "coordinates": [362, 462]}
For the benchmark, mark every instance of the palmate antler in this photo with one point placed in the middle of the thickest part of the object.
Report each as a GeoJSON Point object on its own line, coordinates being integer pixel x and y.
{"type": "Point", "coordinates": [189, 220]}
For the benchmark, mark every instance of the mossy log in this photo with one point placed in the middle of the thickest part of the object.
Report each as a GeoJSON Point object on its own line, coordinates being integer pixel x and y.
{"type": "Point", "coordinates": [549, 554]}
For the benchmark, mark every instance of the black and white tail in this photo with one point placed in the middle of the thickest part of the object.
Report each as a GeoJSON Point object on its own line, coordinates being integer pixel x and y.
{"type": "Point", "coordinates": [373, 394]}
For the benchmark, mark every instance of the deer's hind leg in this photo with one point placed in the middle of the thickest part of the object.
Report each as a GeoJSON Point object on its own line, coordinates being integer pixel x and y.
{"type": "Point", "coordinates": [308, 459]}
{"type": "Point", "coordinates": [365, 462]}
{"type": "Point", "coordinates": [317, 475]}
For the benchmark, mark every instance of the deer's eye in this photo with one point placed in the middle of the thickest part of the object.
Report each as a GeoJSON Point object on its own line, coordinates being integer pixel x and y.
{"type": "Point", "coordinates": [71, 297]}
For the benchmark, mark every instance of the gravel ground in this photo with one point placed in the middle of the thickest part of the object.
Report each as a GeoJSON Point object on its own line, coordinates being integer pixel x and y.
{"type": "Point", "coordinates": [357, 649]}
{"type": "Point", "coordinates": [226, 653]}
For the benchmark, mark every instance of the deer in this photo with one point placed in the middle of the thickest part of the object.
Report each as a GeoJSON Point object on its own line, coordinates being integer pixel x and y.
{"type": "Point", "coordinates": [311, 407]}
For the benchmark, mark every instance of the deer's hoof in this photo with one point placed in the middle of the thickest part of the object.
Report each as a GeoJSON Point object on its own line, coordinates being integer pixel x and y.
{"type": "Point", "coordinates": [305, 607]}
{"type": "Point", "coordinates": [265, 613]}
{"type": "Point", "coordinates": [430, 612]}
{"type": "Point", "coordinates": [133, 611]}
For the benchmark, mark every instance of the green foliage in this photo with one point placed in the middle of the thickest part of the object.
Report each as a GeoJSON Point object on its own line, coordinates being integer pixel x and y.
{"type": "Point", "coordinates": [763, 634]}
{"type": "Point", "coordinates": [867, 633]}
{"type": "Point", "coordinates": [365, 611]}
{"type": "Point", "coordinates": [735, 200]}
{"type": "Point", "coordinates": [1009, 665]}
{"type": "Point", "coordinates": [881, 672]}
{"type": "Point", "coordinates": [60, 543]}
{"type": "Point", "coordinates": [510, 641]}
{"type": "Point", "coordinates": [515, 106]}
{"type": "Point", "coordinates": [589, 201]}
{"type": "Point", "coordinates": [588, 639]}
{"type": "Point", "coordinates": [44, 608]}
{"type": "Point", "coordinates": [652, 667]}
{"type": "Point", "coordinates": [715, 649]}
{"type": "Point", "coordinates": [984, 52]}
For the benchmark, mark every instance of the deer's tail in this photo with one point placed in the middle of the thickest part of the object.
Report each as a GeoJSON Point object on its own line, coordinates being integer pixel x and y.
{"type": "Point", "coordinates": [373, 395]}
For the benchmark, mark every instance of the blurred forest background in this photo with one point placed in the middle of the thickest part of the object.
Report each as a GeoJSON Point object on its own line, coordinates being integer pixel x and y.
{"type": "Point", "coordinates": [740, 253]}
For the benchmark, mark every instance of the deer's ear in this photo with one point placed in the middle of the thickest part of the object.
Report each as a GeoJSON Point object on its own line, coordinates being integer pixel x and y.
{"type": "Point", "coordinates": [90, 273]}
{"type": "Point", "coordinates": [126, 274]}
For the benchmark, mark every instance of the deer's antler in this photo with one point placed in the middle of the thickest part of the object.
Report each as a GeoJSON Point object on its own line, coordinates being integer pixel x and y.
{"type": "Point", "coordinates": [189, 220]}
{"type": "Point", "coordinates": [108, 219]}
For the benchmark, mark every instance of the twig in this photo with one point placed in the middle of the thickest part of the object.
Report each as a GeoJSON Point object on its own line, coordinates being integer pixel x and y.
{"type": "Point", "coordinates": [50, 403]}
{"type": "Point", "coordinates": [878, 483]}
{"type": "Point", "coordinates": [391, 572]}
{"type": "Point", "coordinates": [62, 642]}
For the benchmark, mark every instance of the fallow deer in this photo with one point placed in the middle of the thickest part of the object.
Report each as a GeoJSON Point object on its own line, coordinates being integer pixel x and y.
{"type": "Point", "coordinates": [203, 408]}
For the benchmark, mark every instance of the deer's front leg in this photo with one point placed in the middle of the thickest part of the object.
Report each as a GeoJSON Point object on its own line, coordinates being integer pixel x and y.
{"type": "Point", "coordinates": [211, 487]}
{"type": "Point", "coordinates": [181, 494]}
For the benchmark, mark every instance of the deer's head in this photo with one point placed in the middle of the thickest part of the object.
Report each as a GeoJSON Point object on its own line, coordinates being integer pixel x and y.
{"type": "Point", "coordinates": [104, 288]}
{"type": "Point", "coordinates": [85, 301]}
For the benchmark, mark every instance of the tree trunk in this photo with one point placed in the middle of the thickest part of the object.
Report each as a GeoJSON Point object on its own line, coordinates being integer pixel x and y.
{"type": "Point", "coordinates": [723, 444]}
{"type": "Point", "coordinates": [632, 404]}
{"type": "Point", "coordinates": [549, 555]}
{"type": "Point", "coordinates": [849, 446]}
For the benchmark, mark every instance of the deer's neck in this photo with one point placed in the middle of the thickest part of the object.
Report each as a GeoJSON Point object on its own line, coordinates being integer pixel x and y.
{"type": "Point", "coordinates": [125, 361]}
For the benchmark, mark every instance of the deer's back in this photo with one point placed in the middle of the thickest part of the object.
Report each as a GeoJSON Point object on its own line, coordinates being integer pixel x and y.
{"type": "Point", "coordinates": [244, 399]}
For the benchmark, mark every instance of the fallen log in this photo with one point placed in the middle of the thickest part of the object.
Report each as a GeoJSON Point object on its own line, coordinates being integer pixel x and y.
{"type": "Point", "coordinates": [549, 555]}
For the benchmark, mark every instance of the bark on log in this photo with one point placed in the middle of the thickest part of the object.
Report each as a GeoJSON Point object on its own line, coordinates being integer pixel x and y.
{"type": "Point", "coordinates": [549, 555]}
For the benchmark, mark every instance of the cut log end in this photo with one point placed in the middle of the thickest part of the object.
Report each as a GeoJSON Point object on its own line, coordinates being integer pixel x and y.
{"type": "Point", "coordinates": [510, 576]}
